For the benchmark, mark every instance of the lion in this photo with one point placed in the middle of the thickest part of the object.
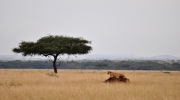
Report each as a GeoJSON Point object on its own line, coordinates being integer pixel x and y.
{"type": "Point", "coordinates": [113, 74]}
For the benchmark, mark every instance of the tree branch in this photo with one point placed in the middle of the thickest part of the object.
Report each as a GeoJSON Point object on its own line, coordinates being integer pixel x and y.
{"type": "Point", "coordinates": [50, 58]}
{"type": "Point", "coordinates": [60, 62]}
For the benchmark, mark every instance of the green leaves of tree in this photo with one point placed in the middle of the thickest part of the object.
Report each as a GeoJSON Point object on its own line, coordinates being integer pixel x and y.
{"type": "Point", "coordinates": [54, 45]}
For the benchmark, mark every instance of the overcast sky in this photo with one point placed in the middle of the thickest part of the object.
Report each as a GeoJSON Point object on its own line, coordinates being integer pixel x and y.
{"type": "Point", "coordinates": [141, 27]}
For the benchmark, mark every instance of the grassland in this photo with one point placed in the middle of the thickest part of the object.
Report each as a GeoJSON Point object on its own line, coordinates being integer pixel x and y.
{"type": "Point", "coordinates": [87, 85]}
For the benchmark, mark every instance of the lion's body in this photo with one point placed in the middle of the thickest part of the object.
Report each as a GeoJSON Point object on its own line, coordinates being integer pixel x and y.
{"type": "Point", "coordinates": [113, 74]}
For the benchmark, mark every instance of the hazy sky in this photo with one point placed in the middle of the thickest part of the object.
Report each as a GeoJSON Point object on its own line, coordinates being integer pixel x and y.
{"type": "Point", "coordinates": [141, 27]}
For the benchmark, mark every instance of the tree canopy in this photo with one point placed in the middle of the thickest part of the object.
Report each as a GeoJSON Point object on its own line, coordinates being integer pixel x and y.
{"type": "Point", "coordinates": [54, 46]}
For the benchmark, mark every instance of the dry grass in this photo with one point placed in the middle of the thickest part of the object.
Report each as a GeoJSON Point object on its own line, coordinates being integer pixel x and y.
{"type": "Point", "coordinates": [87, 85]}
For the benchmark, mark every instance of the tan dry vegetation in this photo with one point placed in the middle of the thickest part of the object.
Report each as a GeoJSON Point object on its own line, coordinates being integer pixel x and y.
{"type": "Point", "coordinates": [87, 85]}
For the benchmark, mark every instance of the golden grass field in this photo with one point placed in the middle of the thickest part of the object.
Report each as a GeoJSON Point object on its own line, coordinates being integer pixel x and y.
{"type": "Point", "coordinates": [28, 84]}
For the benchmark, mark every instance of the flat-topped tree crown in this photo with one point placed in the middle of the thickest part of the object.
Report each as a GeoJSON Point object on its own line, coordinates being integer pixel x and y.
{"type": "Point", "coordinates": [54, 46]}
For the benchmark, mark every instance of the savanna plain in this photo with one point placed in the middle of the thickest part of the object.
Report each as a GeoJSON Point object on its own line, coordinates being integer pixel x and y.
{"type": "Point", "coordinates": [43, 84]}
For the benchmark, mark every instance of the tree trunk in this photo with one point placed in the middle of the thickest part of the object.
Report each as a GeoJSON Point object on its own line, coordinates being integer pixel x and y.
{"type": "Point", "coordinates": [54, 64]}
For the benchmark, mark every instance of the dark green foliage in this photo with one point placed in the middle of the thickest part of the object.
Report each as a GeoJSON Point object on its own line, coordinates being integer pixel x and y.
{"type": "Point", "coordinates": [176, 65]}
{"type": "Point", "coordinates": [53, 46]}
{"type": "Point", "coordinates": [114, 65]}
{"type": "Point", "coordinates": [26, 64]}
{"type": "Point", "coordinates": [102, 65]}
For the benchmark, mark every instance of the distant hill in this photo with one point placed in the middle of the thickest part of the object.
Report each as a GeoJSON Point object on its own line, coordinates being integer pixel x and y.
{"type": "Point", "coordinates": [91, 56]}
{"type": "Point", "coordinates": [109, 56]}
{"type": "Point", "coordinates": [10, 56]}
{"type": "Point", "coordinates": [20, 57]}
{"type": "Point", "coordinates": [129, 56]}
{"type": "Point", "coordinates": [166, 57]}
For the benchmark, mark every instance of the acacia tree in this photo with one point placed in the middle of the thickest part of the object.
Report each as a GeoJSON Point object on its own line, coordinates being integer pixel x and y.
{"type": "Point", "coordinates": [54, 46]}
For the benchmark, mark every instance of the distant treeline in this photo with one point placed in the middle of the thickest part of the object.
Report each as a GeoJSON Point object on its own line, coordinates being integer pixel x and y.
{"type": "Point", "coordinates": [103, 64]}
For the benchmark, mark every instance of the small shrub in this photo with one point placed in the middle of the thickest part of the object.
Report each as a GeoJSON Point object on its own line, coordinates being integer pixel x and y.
{"type": "Point", "coordinates": [167, 72]}
{"type": "Point", "coordinates": [52, 74]}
